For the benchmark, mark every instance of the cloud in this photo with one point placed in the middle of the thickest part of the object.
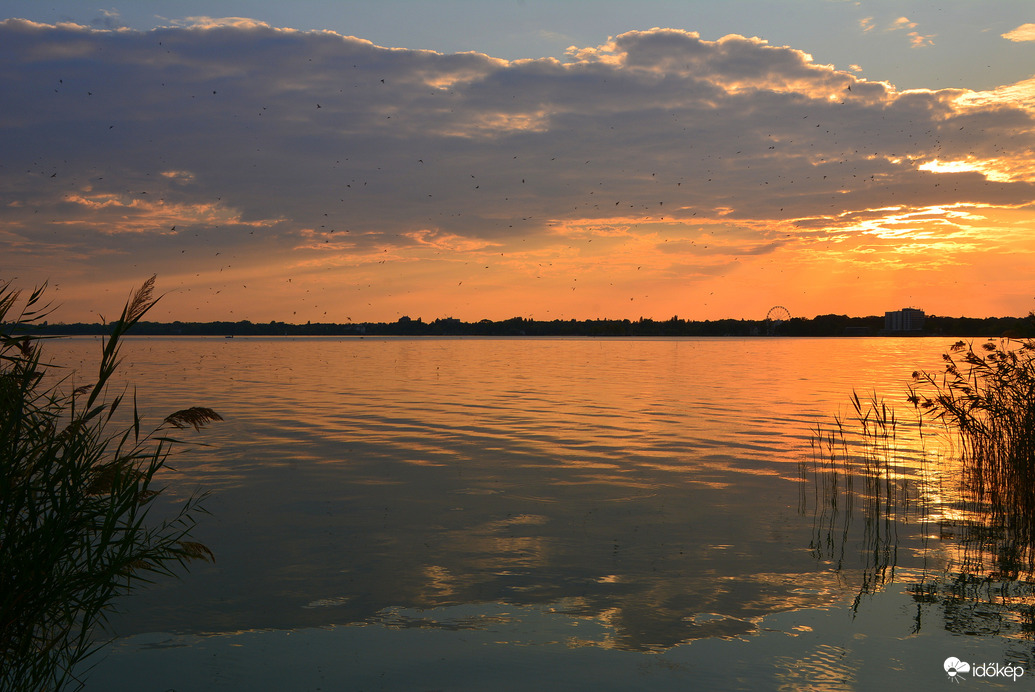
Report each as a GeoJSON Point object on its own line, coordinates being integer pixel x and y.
{"type": "Point", "coordinates": [1025, 32]}
{"type": "Point", "coordinates": [228, 145]}
{"type": "Point", "coordinates": [109, 19]}
{"type": "Point", "coordinates": [916, 39]}
{"type": "Point", "coordinates": [1018, 95]}
{"type": "Point", "coordinates": [204, 22]}
{"type": "Point", "coordinates": [866, 23]}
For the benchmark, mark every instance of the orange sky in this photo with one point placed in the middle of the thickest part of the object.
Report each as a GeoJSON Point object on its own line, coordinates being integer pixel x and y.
{"type": "Point", "coordinates": [271, 174]}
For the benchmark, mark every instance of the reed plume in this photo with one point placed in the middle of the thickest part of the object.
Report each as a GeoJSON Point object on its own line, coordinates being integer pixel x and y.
{"type": "Point", "coordinates": [75, 495]}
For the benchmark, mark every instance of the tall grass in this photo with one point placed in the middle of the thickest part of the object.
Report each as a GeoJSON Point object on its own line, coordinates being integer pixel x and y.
{"type": "Point", "coordinates": [75, 493]}
{"type": "Point", "coordinates": [862, 471]}
{"type": "Point", "coordinates": [987, 398]}
{"type": "Point", "coordinates": [977, 500]}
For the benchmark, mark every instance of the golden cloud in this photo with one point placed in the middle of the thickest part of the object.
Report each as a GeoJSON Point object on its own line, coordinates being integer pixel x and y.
{"type": "Point", "coordinates": [1025, 32]}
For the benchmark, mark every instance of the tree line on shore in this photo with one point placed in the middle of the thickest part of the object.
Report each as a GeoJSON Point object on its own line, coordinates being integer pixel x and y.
{"type": "Point", "coordinates": [821, 325]}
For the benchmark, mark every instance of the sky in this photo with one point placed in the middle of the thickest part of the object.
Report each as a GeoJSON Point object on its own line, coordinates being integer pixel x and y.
{"type": "Point", "coordinates": [364, 161]}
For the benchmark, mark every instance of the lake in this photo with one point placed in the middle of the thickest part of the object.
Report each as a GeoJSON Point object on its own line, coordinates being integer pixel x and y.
{"type": "Point", "coordinates": [569, 514]}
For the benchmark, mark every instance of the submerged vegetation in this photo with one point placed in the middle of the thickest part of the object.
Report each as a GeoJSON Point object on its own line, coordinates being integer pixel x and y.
{"type": "Point", "coordinates": [76, 490]}
{"type": "Point", "coordinates": [971, 498]}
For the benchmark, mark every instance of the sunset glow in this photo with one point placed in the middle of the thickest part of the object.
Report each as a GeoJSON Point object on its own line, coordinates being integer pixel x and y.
{"type": "Point", "coordinates": [267, 172]}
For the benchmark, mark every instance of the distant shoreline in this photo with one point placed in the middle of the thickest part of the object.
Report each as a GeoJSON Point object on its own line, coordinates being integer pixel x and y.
{"type": "Point", "coordinates": [821, 325]}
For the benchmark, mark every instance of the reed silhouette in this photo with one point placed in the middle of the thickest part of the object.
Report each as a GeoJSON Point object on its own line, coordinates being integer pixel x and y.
{"type": "Point", "coordinates": [956, 479]}
{"type": "Point", "coordinates": [76, 489]}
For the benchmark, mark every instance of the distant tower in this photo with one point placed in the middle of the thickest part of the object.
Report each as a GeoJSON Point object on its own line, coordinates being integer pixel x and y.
{"type": "Point", "coordinates": [776, 316]}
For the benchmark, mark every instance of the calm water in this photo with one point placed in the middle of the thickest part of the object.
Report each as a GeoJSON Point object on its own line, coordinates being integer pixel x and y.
{"type": "Point", "coordinates": [469, 514]}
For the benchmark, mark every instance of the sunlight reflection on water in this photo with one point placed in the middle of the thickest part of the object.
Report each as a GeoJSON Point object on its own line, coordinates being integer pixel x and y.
{"type": "Point", "coordinates": [648, 486]}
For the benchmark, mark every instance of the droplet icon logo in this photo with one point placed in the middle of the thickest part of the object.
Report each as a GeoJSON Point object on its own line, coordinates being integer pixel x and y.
{"type": "Point", "coordinates": [954, 667]}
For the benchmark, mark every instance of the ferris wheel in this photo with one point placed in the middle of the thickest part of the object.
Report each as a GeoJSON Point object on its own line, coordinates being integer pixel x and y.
{"type": "Point", "coordinates": [776, 316]}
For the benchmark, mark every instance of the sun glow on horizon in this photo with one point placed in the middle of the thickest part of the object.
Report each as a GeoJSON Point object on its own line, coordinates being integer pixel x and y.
{"type": "Point", "coordinates": [655, 173]}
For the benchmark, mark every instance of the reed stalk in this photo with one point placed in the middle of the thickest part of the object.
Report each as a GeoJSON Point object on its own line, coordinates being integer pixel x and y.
{"type": "Point", "coordinates": [75, 494]}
